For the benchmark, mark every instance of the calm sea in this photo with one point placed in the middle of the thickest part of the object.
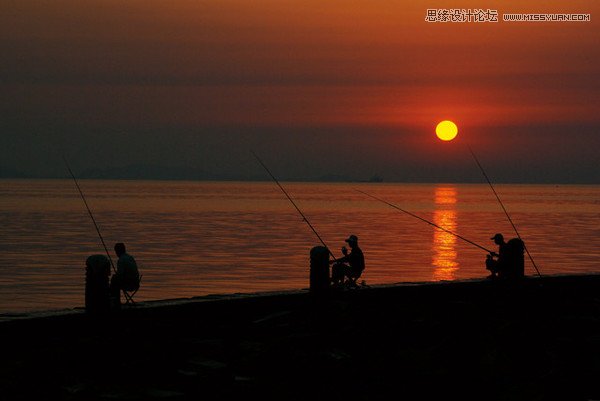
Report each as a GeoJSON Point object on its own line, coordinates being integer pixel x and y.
{"type": "Point", "coordinates": [198, 238]}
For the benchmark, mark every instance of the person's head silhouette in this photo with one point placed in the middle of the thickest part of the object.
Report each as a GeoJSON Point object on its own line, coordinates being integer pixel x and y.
{"type": "Point", "coordinates": [352, 241]}
{"type": "Point", "coordinates": [498, 239]}
{"type": "Point", "coordinates": [120, 248]}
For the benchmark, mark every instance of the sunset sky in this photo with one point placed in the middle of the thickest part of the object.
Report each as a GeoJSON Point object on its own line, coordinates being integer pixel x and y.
{"type": "Point", "coordinates": [318, 88]}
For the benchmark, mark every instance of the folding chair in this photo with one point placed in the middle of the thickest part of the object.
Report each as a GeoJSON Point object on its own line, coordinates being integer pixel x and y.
{"type": "Point", "coordinates": [129, 296]}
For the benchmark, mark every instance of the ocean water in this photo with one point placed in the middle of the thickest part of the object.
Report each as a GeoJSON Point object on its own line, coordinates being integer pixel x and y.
{"type": "Point", "coordinates": [198, 238]}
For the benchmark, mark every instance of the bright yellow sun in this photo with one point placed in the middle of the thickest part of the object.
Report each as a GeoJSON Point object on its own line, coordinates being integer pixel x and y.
{"type": "Point", "coordinates": [446, 130]}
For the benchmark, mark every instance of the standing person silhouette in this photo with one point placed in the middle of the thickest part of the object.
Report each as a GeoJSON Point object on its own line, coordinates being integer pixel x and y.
{"type": "Point", "coordinates": [350, 266]}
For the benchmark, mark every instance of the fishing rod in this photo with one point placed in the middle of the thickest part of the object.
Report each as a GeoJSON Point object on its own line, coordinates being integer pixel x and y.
{"type": "Point", "coordinates": [293, 203]}
{"type": "Point", "coordinates": [90, 213]}
{"type": "Point", "coordinates": [426, 221]}
{"type": "Point", "coordinates": [504, 209]}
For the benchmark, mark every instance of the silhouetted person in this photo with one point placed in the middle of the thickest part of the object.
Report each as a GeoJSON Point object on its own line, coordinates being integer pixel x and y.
{"type": "Point", "coordinates": [350, 266]}
{"type": "Point", "coordinates": [127, 277]}
{"type": "Point", "coordinates": [496, 263]}
{"type": "Point", "coordinates": [509, 262]}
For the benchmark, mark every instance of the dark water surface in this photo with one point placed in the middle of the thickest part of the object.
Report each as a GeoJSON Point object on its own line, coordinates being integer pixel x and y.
{"type": "Point", "coordinates": [198, 238]}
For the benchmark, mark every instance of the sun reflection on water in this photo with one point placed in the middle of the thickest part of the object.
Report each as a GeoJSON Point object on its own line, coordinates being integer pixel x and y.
{"type": "Point", "coordinates": [199, 238]}
{"type": "Point", "coordinates": [445, 261]}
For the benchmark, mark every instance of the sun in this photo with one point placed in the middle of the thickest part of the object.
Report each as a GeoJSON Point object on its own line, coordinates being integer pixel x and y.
{"type": "Point", "coordinates": [446, 130]}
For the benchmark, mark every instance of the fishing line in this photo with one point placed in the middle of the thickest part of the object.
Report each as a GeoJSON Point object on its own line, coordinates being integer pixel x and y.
{"type": "Point", "coordinates": [125, 293]}
{"type": "Point", "coordinates": [90, 213]}
{"type": "Point", "coordinates": [293, 203]}
{"type": "Point", "coordinates": [424, 220]}
{"type": "Point", "coordinates": [503, 208]}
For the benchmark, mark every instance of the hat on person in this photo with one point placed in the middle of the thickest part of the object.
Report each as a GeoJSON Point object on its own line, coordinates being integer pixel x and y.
{"type": "Point", "coordinates": [352, 238]}
{"type": "Point", "coordinates": [498, 236]}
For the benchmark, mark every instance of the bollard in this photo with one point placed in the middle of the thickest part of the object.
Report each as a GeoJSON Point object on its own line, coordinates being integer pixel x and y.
{"type": "Point", "coordinates": [319, 269]}
{"type": "Point", "coordinates": [97, 295]}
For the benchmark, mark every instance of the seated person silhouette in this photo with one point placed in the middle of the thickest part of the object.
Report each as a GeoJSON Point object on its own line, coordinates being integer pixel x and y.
{"type": "Point", "coordinates": [347, 269]}
{"type": "Point", "coordinates": [127, 277]}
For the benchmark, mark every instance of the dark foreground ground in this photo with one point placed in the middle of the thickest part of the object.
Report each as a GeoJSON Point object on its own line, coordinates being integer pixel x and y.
{"type": "Point", "coordinates": [468, 340]}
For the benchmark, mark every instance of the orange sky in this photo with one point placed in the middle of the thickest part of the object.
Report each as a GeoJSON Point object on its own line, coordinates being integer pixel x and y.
{"type": "Point", "coordinates": [296, 64]}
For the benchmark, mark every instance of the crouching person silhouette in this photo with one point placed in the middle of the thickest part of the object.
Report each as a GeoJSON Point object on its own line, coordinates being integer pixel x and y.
{"type": "Point", "coordinates": [496, 263]}
{"type": "Point", "coordinates": [509, 262]}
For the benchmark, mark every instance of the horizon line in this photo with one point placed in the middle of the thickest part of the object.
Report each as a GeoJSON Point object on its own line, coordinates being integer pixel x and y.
{"type": "Point", "coordinates": [307, 181]}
